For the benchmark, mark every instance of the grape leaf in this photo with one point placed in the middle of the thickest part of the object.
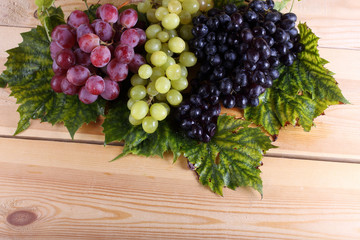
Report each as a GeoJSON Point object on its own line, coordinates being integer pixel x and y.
{"type": "Point", "coordinates": [222, 3]}
{"type": "Point", "coordinates": [237, 147]}
{"type": "Point", "coordinates": [51, 18]}
{"type": "Point", "coordinates": [28, 75]}
{"type": "Point", "coordinates": [301, 93]}
{"type": "Point", "coordinates": [282, 4]}
{"type": "Point", "coordinates": [43, 4]}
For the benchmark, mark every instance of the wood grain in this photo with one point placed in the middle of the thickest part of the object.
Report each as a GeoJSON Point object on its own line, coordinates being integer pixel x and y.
{"type": "Point", "coordinates": [139, 198]}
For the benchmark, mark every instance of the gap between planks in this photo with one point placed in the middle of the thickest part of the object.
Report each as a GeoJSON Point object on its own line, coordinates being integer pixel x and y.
{"type": "Point", "coordinates": [299, 155]}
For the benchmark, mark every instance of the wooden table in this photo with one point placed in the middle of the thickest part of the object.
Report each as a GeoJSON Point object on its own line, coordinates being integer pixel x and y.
{"type": "Point", "coordinates": [54, 188]}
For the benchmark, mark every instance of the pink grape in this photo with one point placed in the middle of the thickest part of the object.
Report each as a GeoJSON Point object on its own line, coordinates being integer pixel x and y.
{"type": "Point", "coordinates": [86, 97]}
{"type": "Point", "coordinates": [103, 30]}
{"type": "Point", "coordinates": [130, 37]}
{"type": "Point", "coordinates": [84, 29]}
{"type": "Point", "coordinates": [68, 88]}
{"type": "Point", "coordinates": [56, 83]}
{"type": "Point", "coordinates": [65, 59]}
{"type": "Point", "coordinates": [88, 42]}
{"type": "Point", "coordinates": [54, 49]}
{"type": "Point", "coordinates": [124, 53]}
{"type": "Point", "coordinates": [77, 18]}
{"type": "Point", "coordinates": [117, 71]}
{"type": "Point", "coordinates": [82, 58]}
{"type": "Point", "coordinates": [128, 18]}
{"type": "Point", "coordinates": [137, 61]}
{"type": "Point", "coordinates": [108, 13]}
{"type": "Point", "coordinates": [63, 36]}
{"type": "Point", "coordinates": [142, 36]}
{"type": "Point", "coordinates": [78, 75]}
{"type": "Point", "coordinates": [95, 85]}
{"type": "Point", "coordinates": [112, 90]}
{"type": "Point", "coordinates": [58, 70]}
{"type": "Point", "coordinates": [100, 56]}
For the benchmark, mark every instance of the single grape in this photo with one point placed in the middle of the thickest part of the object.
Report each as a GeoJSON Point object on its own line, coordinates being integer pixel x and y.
{"type": "Point", "coordinates": [82, 58]}
{"type": "Point", "coordinates": [172, 32]}
{"type": "Point", "coordinates": [84, 29]}
{"type": "Point", "coordinates": [165, 49]}
{"type": "Point", "coordinates": [138, 92]}
{"type": "Point", "coordinates": [173, 72]}
{"type": "Point", "coordinates": [137, 80]}
{"type": "Point", "coordinates": [117, 71]}
{"type": "Point", "coordinates": [134, 122]}
{"type": "Point", "coordinates": [128, 18]}
{"type": "Point", "coordinates": [161, 12]}
{"type": "Point", "coordinates": [166, 107]}
{"type": "Point", "coordinates": [108, 13]}
{"type": "Point", "coordinates": [77, 18]}
{"type": "Point", "coordinates": [88, 42]}
{"type": "Point", "coordinates": [95, 85]}
{"type": "Point", "coordinates": [58, 70]}
{"type": "Point", "coordinates": [162, 85]}
{"type": "Point", "coordinates": [158, 111]}
{"type": "Point", "coordinates": [165, 3]}
{"type": "Point", "coordinates": [130, 37]}
{"type": "Point", "coordinates": [151, 90]}
{"type": "Point", "coordinates": [65, 59]}
{"type": "Point", "coordinates": [186, 33]}
{"type": "Point", "coordinates": [78, 75]}
{"type": "Point", "coordinates": [156, 73]}
{"type": "Point", "coordinates": [163, 36]}
{"type": "Point", "coordinates": [142, 36]}
{"type": "Point", "coordinates": [86, 97]}
{"type": "Point", "coordinates": [152, 31]}
{"type": "Point", "coordinates": [170, 61]}
{"type": "Point", "coordinates": [68, 88]}
{"type": "Point", "coordinates": [158, 58]}
{"type": "Point", "coordinates": [111, 91]}
{"type": "Point", "coordinates": [124, 53]}
{"type": "Point", "coordinates": [176, 45]}
{"type": "Point", "coordinates": [184, 71]}
{"type": "Point", "coordinates": [149, 124]}
{"type": "Point", "coordinates": [54, 49]}
{"type": "Point", "coordinates": [188, 59]}
{"type": "Point", "coordinates": [63, 36]}
{"type": "Point", "coordinates": [150, 15]}
{"type": "Point", "coordinates": [161, 97]}
{"type": "Point", "coordinates": [192, 6]}
{"type": "Point", "coordinates": [180, 84]}
{"type": "Point", "coordinates": [136, 62]}
{"type": "Point", "coordinates": [103, 30]}
{"type": "Point", "coordinates": [174, 97]}
{"type": "Point", "coordinates": [145, 6]}
{"type": "Point", "coordinates": [174, 6]}
{"type": "Point", "coordinates": [185, 17]}
{"type": "Point", "coordinates": [170, 21]}
{"type": "Point", "coordinates": [139, 110]}
{"type": "Point", "coordinates": [56, 83]}
{"type": "Point", "coordinates": [100, 56]}
{"type": "Point", "coordinates": [153, 45]}
{"type": "Point", "coordinates": [145, 71]}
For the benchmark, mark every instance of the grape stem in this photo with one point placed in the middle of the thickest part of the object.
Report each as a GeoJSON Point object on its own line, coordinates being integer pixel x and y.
{"type": "Point", "coordinates": [86, 4]}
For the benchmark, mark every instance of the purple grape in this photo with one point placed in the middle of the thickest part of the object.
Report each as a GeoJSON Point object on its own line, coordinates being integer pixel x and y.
{"type": "Point", "coordinates": [58, 70]}
{"type": "Point", "coordinates": [112, 90]}
{"type": "Point", "coordinates": [86, 97]}
{"type": "Point", "coordinates": [77, 18]}
{"type": "Point", "coordinates": [68, 88]}
{"type": "Point", "coordinates": [128, 18]}
{"type": "Point", "coordinates": [108, 13]}
{"type": "Point", "coordinates": [82, 58]}
{"type": "Point", "coordinates": [84, 29]}
{"type": "Point", "coordinates": [117, 71]}
{"type": "Point", "coordinates": [65, 59]}
{"type": "Point", "coordinates": [95, 85]}
{"type": "Point", "coordinates": [130, 37]}
{"type": "Point", "coordinates": [54, 49]}
{"type": "Point", "coordinates": [100, 56]}
{"type": "Point", "coordinates": [56, 83]}
{"type": "Point", "coordinates": [103, 30]}
{"type": "Point", "coordinates": [124, 53]}
{"type": "Point", "coordinates": [88, 42]}
{"type": "Point", "coordinates": [78, 75]}
{"type": "Point", "coordinates": [136, 62]}
{"type": "Point", "coordinates": [63, 36]}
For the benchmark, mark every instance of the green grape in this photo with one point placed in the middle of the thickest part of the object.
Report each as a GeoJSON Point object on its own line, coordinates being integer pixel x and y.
{"type": "Point", "coordinates": [145, 71]}
{"type": "Point", "coordinates": [158, 111]}
{"type": "Point", "coordinates": [176, 45]}
{"type": "Point", "coordinates": [152, 30]}
{"type": "Point", "coordinates": [170, 21]}
{"type": "Point", "coordinates": [170, 61]}
{"type": "Point", "coordinates": [172, 33]}
{"type": "Point", "coordinates": [161, 97]}
{"type": "Point", "coordinates": [185, 17]}
{"type": "Point", "coordinates": [138, 92]}
{"type": "Point", "coordinates": [145, 6]}
{"type": "Point", "coordinates": [180, 84]}
{"type": "Point", "coordinates": [174, 6]}
{"type": "Point", "coordinates": [184, 71]}
{"type": "Point", "coordinates": [174, 97]}
{"type": "Point", "coordinates": [165, 49]}
{"type": "Point", "coordinates": [166, 106]}
{"type": "Point", "coordinates": [162, 85]}
{"type": "Point", "coordinates": [133, 121]}
{"type": "Point", "coordinates": [150, 15]}
{"type": "Point", "coordinates": [139, 110]}
{"type": "Point", "coordinates": [149, 124]}
{"type": "Point", "coordinates": [173, 72]}
{"type": "Point", "coordinates": [165, 3]}
{"type": "Point", "coordinates": [158, 58]}
{"type": "Point", "coordinates": [163, 36]}
{"type": "Point", "coordinates": [157, 72]}
{"type": "Point", "coordinates": [187, 48]}
{"type": "Point", "coordinates": [192, 6]}
{"type": "Point", "coordinates": [137, 80]}
{"type": "Point", "coordinates": [152, 45]}
{"type": "Point", "coordinates": [185, 32]}
{"type": "Point", "coordinates": [160, 13]}
{"type": "Point", "coordinates": [151, 90]}
{"type": "Point", "coordinates": [130, 103]}
{"type": "Point", "coordinates": [188, 59]}
{"type": "Point", "coordinates": [148, 57]}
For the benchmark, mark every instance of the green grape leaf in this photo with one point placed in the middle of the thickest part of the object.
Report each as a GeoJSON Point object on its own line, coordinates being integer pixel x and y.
{"type": "Point", "coordinates": [28, 75]}
{"type": "Point", "coordinates": [222, 3]}
{"type": "Point", "coordinates": [301, 93]}
{"type": "Point", "coordinates": [43, 4]}
{"type": "Point", "coordinates": [230, 159]}
{"type": "Point", "coordinates": [91, 11]}
{"type": "Point", "coordinates": [280, 5]}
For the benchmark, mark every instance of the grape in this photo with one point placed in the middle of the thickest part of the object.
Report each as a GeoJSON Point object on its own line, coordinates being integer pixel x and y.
{"type": "Point", "coordinates": [137, 80]}
{"type": "Point", "coordinates": [150, 15]}
{"type": "Point", "coordinates": [185, 32]}
{"type": "Point", "coordinates": [130, 37]}
{"type": "Point", "coordinates": [161, 97]}
{"type": "Point", "coordinates": [88, 42]}
{"type": "Point", "coordinates": [100, 56]}
{"type": "Point", "coordinates": [185, 17]}
{"type": "Point", "coordinates": [165, 3]}
{"type": "Point", "coordinates": [145, 6]}
{"type": "Point", "coordinates": [158, 111]}
{"type": "Point", "coordinates": [151, 89]}
{"type": "Point", "coordinates": [153, 45]}
{"type": "Point", "coordinates": [95, 85]}
{"type": "Point", "coordinates": [108, 13]}
{"type": "Point", "coordinates": [103, 30]}
{"type": "Point", "coordinates": [162, 85]}
{"type": "Point", "coordinates": [54, 49]}
{"type": "Point", "coordinates": [176, 45]}
{"type": "Point", "coordinates": [124, 53]}
{"type": "Point", "coordinates": [68, 88]}
{"type": "Point", "coordinates": [138, 92]}
{"type": "Point", "coordinates": [56, 83]}
{"type": "Point", "coordinates": [158, 58]}
{"type": "Point", "coordinates": [134, 122]}
{"type": "Point", "coordinates": [174, 97]}
{"type": "Point", "coordinates": [184, 71]}
{"type": "Point", "coordinates": [78, 75]}
{"type": "Point", "coordinates": [180, 84]}
{"type": "Point", "coordinates": [117, 71]}
{"type": "Point", "coordinates": [139, 110]}
{"type": "Point", "coordinates": [192, 6]}
{"type": "Point", "coordinates": [86, 97]}
{"type": "Point", "coordinates": [130, 103]}
{"type": "Point", "coordinates": [165, 49]}
{"type": "Point", "coordinates": [128, 18]}
{"type": "Point", "coordinates": [171, 21]}
{"type": "Point", "coordinates": [142, 36]}
{"type": "Point", "coordinates": [163, 36]}
{"type": "Point", "coordinates": [145, 71]}
{"type": "Point", "coordinates": [65, 59]}
{"type": "Point", "coordinates": [58, 70]}
{"type": "Point", "coordinates": [188, 59]}
{"type": "Point", "coordinates": [136, 62]}
{"type": "Point", "coordinates": [111, 91]}
{"type": "Point", "coordinates": [170, 61]}
{"type": "Point", "coordinates": [149, 124]}
{"type": "Point", "coordinates": [152, 31]}
{"type": "Point", "coordinates": [172, 32]}
{"type": "Point", "coordinates": [63, 36]}
{"type": "Point", "coordinates": [173, 72]}
{"type": "Point", "coordinates": [166, 107]}
{"type": "Point", "coordinates": [174, 6]}
{"type": "Point", "coordinates": [77, 18]}
{"type": "Point", "coordinates": [161, 12]}
{"type": "Point", "coordinates": [156, 73]}
{"type": "Point", "coordinates": [82, 58]}
{"type": "Point", "coordinates": [84, 29]}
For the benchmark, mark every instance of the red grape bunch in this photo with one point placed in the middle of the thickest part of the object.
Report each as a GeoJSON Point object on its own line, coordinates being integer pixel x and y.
{"type": "Point", "coordinates": [92, 58]}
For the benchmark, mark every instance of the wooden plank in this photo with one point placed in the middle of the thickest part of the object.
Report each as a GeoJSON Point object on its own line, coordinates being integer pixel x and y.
{"type": "Point", "coordinates": [337, 22]}
{"type": "Point", "coordinates": [78, 194]}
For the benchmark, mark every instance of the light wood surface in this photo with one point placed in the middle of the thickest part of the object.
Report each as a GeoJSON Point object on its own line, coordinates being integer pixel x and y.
{"type": "Point", "coordinates": [56, 188]}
